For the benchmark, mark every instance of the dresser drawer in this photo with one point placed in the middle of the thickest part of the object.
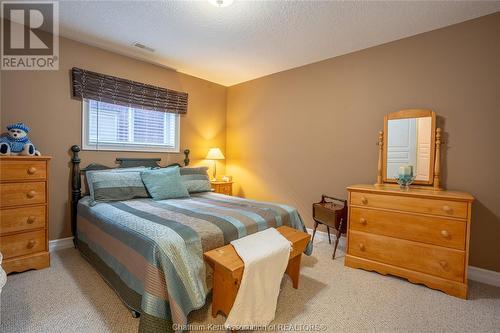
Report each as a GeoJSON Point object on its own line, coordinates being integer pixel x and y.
{"type": "Point", "coordinates": [431, 230]}
{"type": "Point", "coordinates": [226, 189]}
{"type": "Point", "coordinates": [430, 259]}
{"type": "Point", "coordinates": [23, 218]}
{"type": "Point", "coordinates": [223, 188]}
{"type": "Point", "coordinates": [22, 244]}
{"type": "Point", "coordinates": [13, 194]}
{"type": "Point", "coordinates": [411, 204]}
{"type": "Point", "coordinates": [21, 170]}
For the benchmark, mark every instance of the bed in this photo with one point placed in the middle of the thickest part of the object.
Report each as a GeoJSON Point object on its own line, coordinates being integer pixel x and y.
{"type": "Point", "coordinates": [151, 252]}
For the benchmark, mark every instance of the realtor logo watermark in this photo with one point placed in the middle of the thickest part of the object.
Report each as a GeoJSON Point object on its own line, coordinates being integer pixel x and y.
{"type": "Point", "coordinates": [30, 35]}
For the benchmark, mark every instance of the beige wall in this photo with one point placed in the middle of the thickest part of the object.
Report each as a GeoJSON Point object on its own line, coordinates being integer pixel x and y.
{"type": "Point", "coordinates": [311, 130]}
{"type": "Point", "coordinates": [42, 99]}
{"type": "Point", "coordinates": [296, 134]}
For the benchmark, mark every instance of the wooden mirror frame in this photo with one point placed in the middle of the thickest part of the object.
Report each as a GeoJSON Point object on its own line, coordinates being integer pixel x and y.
{"type": "Point", "coordinates": [434, 164]}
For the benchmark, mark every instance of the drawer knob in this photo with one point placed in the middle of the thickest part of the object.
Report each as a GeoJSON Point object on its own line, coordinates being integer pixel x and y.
{"type": "Point", "coordinates": [443, 263]}
{"type": "Point", "coordinates": [364, 200]}
{"type": "Point", "coordinates": [447, 209]}
{"type": "Point", "coordinates": [31, 170]}
{"type": "Point", "coordinates": [31, 194]}
{"type": "Point", "coordinates": [362, 221]}
{"type": "Point", "coordinates": [445, 233]}
{"type": "Point", "coordinates": [362, 246]}
{"type": "Point", "coordinates": [31, 220]}
{"type": "Point", "coordinates": [31, 243]}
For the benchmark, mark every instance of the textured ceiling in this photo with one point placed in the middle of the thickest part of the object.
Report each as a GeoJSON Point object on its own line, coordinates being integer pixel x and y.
{"type": "Point", "coordinates": [250, 39]}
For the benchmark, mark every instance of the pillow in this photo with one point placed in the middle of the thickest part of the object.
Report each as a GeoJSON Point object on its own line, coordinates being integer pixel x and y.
{"type": "Point", "coordinates": [116, 186]}
{"type": "Point", "coordinates": [88, 176]}
{"type": "Point", "coordinates": [165, 183]}
{"type": "Point", "coordinates": [196, 179]}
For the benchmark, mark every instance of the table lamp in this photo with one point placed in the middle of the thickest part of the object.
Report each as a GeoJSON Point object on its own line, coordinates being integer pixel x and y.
{"type": "Point", "coordinates": [215, 154]}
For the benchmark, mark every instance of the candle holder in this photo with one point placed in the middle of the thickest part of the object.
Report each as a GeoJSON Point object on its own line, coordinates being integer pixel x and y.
{"type": "Point", "coordinates": [404, 181]}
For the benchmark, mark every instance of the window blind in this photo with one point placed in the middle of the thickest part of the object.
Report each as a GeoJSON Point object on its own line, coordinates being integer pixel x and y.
{"type": "Point", "coordinates": [115, 127]}
{"type": "Point", "coordinates": [114, 90]}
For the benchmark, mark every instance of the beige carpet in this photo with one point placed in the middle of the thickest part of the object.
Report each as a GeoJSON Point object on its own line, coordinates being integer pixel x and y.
{"type": "Point", "coordinates": [71, 297]}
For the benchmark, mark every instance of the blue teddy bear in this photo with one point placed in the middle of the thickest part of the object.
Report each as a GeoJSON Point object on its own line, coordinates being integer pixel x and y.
{"type": "Point", "coordinates": [16, 141]}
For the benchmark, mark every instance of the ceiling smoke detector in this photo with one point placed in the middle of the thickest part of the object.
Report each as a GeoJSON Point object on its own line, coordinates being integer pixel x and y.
{"type": "Point", "coordinates": [221, 3]}
{"type": "Point", "coordinates": [142, 46]}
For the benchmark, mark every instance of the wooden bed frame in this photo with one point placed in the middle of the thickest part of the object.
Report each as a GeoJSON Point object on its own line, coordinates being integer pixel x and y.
{"type": "Point", "coordinates": [123, 162]}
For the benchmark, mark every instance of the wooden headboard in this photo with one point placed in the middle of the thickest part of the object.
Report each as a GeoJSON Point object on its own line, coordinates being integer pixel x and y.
{"type": "Point", "coordinates": [123, 162]}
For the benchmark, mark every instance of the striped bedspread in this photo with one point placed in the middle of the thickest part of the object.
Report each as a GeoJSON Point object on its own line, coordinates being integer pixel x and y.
{"type": "Point", "coordinates": [151, 252]}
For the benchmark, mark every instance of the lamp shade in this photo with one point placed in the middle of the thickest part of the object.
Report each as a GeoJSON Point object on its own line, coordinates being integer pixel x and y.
{"type": "Point", "coordinates": [215, 154]}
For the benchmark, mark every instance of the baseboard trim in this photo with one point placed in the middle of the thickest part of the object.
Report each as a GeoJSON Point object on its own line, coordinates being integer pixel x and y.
{"type": "Point", "coordinates": [320, 235]}
{"type": "Point", "coordinates": [484, 276]}
{"type": "Point", "coordinates": [61, 243]}
{"type": "Point", "coordinates": [323, 236]}
{"type": "Point", "coordinates": [474, 273]}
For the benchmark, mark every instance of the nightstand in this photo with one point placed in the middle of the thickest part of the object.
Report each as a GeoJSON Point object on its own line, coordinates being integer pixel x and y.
{"type": "Point", "coordinates": [222, 187]}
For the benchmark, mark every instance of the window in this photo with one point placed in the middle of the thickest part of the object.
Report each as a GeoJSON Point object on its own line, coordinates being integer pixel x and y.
{"type": "Point", "coordinates": [109, 126]}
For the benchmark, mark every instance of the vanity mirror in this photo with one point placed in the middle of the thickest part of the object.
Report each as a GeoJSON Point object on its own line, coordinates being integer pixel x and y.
{"type": "Point", "coordinates": [410, 145]}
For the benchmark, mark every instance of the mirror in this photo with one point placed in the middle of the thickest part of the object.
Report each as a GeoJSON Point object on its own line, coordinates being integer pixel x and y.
{"type": "Point", "coordinates": [409, 145]}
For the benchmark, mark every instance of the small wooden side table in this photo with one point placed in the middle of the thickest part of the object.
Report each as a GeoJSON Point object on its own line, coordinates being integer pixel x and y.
{"type": "Point", "coordinates": [222, 187]}
{"type": "Point", "coordinates": [333, 214]}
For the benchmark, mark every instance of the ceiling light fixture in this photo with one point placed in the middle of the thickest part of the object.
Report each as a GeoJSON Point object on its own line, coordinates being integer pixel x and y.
{"type": "Point", "coordinates": [221, 3]}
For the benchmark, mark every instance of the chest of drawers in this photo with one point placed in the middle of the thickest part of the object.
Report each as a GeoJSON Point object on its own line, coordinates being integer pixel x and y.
{"type": "Point", "coordinates": [420, 234]}
{"type": "Point", "coordinates": [24, 212]}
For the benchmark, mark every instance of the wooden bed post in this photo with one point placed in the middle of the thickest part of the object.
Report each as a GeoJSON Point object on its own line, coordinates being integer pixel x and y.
{"type": "Point", "coordinates": [186, 157]}
{"type": "Point", "coordinates": [76, 191]}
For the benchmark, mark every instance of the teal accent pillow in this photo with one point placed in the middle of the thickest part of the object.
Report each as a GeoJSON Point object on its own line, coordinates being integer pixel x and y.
{"type": "Point", "coordinates": [196, 179]}
{"type": "Point", "coordinates": [165, 183]}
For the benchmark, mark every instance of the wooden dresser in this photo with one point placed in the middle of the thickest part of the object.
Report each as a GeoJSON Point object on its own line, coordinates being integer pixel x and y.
{"type": "Point", "coordinates": [24, 212]}
{"type": "Point", "coordinates": [420, 234]}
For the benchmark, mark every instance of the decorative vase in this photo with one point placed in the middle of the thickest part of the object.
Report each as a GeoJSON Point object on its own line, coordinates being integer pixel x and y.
{"type": "Point", "coordinates": [404, 181]}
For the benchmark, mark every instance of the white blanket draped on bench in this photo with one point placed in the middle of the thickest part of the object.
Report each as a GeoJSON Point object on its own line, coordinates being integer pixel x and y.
{"type": "Point", "coordinates": [265, 255]}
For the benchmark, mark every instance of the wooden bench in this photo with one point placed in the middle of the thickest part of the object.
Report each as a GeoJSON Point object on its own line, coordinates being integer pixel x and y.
{"type": "Point", "coordinates": [228, 269]}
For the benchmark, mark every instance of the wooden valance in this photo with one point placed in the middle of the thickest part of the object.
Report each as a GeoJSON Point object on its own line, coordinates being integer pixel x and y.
{"type": "Point", "coordinates": [111, 89]}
